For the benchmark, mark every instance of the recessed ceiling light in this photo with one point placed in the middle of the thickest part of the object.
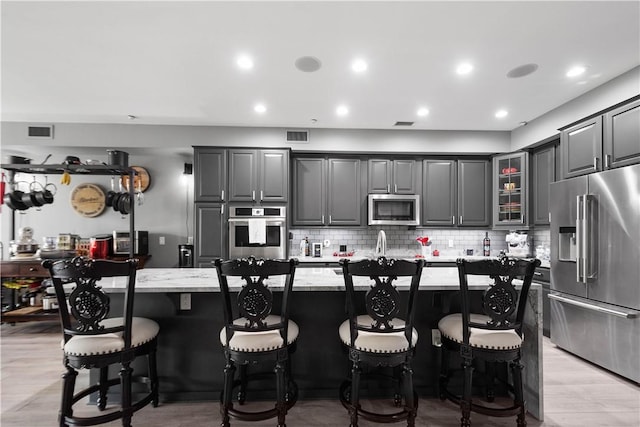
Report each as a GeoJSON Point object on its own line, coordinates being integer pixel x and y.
{"type": "Point", "coordinates": [260, 108]}
{"type": "Point", "coordinates": [359, 66]}
{"type": "Point", "coordinates": [245, 62]}
{"type": "Point", "coordinates": [464, 68]}
{"type": "Point", "coordinates": [576, 71]}
{"type": "Point", "coordinates": [422, 112]}
{"type": "Point", "coordinates": [501, 114]}
{"type": "Point", "coordinates": [342, 110]}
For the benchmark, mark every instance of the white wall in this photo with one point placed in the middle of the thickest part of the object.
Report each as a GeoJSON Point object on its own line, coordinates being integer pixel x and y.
{"type": "Point", "coordinates": [604, 96]}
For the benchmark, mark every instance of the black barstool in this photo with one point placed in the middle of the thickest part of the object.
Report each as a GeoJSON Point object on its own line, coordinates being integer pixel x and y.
{"type": "Point", "coordinates": [493, 336]}
{"type": "Point", "coordinates": [91, 340]}
{"type": "Point", "coordinates": [253, 335]}
{"type": "Point", "coordinates": [383, 337]}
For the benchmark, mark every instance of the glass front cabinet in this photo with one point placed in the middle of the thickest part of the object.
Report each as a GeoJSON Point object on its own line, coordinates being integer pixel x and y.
{"type": "Point", "coordinates": [511, 191]}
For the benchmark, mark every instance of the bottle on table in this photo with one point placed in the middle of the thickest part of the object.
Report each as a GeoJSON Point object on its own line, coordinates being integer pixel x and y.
{"type": "Point", "coordinates": [306, 247]}
{"type": "Point", "coordinates": [486, 245]}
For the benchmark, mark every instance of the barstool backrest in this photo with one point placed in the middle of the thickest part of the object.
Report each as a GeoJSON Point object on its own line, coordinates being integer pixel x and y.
{"type": "Point", "coordinates": [88, 304]}
{"type": "Point", "coordinates": [382, 300]}
{"type": "Point", "coordinates": [255, 299]}
{"type": "Point", "coordinates": [502, 303]}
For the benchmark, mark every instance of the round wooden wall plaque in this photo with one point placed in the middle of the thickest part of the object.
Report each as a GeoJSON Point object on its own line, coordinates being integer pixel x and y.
{"type": "Point", "coordinates": [88, 200]}
{"type": "Point", "coordinates": [141, 180]}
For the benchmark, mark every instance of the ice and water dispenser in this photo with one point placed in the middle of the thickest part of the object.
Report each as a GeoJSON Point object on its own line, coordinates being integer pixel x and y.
{"type": "Point", "coordinates": [567, 247]}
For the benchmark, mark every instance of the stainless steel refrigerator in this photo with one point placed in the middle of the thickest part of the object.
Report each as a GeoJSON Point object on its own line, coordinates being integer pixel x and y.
{"type": "Point", "coordinates": [595, 268]}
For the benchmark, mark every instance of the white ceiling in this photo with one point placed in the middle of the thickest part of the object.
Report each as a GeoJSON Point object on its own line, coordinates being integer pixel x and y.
{"type": "Point", "coordinates": [174, 62]}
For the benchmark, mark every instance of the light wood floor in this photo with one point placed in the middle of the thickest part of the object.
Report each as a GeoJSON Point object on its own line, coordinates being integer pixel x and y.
{"type": "Point", "coordinates": [576, 393]}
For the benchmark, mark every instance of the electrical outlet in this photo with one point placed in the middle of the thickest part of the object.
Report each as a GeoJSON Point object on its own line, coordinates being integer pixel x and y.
{"type": "Point", "coordinates": [436, 338]}
{"type": "Point", "coordinates": [185, 301]}
{"type": "Point", "coordinates": [450, 243]}
{"type": "Point", "coordinates": [161, 240]}
{"type": "Point", "coordinates": [190, 240]}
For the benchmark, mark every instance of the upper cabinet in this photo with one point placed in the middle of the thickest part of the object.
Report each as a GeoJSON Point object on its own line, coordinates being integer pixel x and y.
{"type": "Point", "coordinates": [602, 142]}
{"type": "Point", "coordinates": [510, 190]}
{"type": "Point", "coordinates": [543, 173]}
{"type": "Point", "coordinates": [258, 176]}
{"type": "Point", "coordinates": [456, 193]}
{"type": "Point", "coordinates": [210, 174]}
{"type": "Point", "coordinates": [326, 191]}
{"type": "Point", "coordinates": [622, 136]}
{"type": "Point", "coordinates": [474, 197]}
{"type": "Point", "coordinates": [388, 176]}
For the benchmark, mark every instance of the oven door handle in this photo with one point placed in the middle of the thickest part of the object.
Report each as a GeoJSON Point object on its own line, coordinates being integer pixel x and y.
{"type": "Point", "coordinates": [269, 221]}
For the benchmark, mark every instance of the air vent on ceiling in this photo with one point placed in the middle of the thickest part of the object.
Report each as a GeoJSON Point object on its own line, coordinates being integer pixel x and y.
{"type": "Point", "coordinates": [40, 131]}
{"type": "Point", "coordinates": [404, 124]}
{"type": "Point", "coordinates": [298, 136]}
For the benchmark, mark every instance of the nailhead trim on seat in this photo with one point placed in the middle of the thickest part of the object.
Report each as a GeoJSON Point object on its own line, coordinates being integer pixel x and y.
{"type": "Point", "coordinates": [451, 327]}
{"type": "Point", "coordinates": [259, 340]}
{"type": "Point", "coordinates": [142, 331]}
{"type": "Point", "coordinates": [373, 342]}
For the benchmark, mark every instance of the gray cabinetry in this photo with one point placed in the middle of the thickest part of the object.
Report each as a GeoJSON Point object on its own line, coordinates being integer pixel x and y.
{"type": "Point", "coordinates": [392, 176]}
{"type": "Point", "coordinates": [326, 191]}
{"type": "Point", "coordinates": [344, 200]}
{"type": "Point", "coordinates": [543, 165]}
{"type": "Point", "coordinates": [309, 191]}
{"type": "Point", "coordinates": [210, 174]}
{"type": "Point", "coordinates": [474, 198]}
{"type": "Point", "coordinates": [622, 136]}
{"type": "Point", "coordinates": [439, 191]}
{"type": "Point", "coordinates": [210, 228]}
{"type": "Point", "coordinates": [604, 142]}
{"type": "Point", "coordinates": [581, 147]}
{"type": "Point", "coordinates": [258, 175]}
{"type": "Point", "coordinates": [511, 190]}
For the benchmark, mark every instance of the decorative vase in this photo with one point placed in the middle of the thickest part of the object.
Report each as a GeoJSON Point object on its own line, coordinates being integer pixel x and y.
{"type": "Point", "coordinates": [426, 251]}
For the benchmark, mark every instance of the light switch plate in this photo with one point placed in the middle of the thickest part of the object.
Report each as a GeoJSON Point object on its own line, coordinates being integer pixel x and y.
{"type": "Point", "coordinates": [161, 240]}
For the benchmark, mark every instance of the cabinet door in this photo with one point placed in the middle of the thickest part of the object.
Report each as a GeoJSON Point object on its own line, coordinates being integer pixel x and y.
{"type": "Point", "coordinates": [510, 190]}
{"type": "Point", "coordinates": [210, 174]}
{"type": "Point", "coordinates": [622, 136]}
{"type": "Point", "coordinates": [210, 234]}
{"type": "Point", "coordinates": [474, 198]}
{"type": "Point", "coordinates": [543, 162]}
{"type": "Point", "coordinates": [379, 176]}
{"type": "Point", "coordinates": [243, 173]}
{"type": "Point", "coordinates": [274, 176]}
{"type": "Point", "coordinates": [581, 147]}
{"type": "Point", "coordinates": [309, 191]}
{"type": "Point", "coordinates": [344, 200]}
{"type": "Point", "coordinates": [439, 192]}
{"type": "Point", "coordinates": [404, 176]}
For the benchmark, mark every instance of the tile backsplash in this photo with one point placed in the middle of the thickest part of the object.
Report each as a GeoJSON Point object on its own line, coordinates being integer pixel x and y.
{"type": "Point", "coordinates": [400, 238]}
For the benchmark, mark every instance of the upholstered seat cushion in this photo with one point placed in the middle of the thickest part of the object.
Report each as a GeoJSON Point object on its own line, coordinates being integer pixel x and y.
{"type": "Point", "coordinates": [259, 340]}
{"type": "Point", "coordinates": [377, 342]}
{"type": "Point", "coordinates": [142, 331]}
{"type": "Point", "coordinates": [451, 327]}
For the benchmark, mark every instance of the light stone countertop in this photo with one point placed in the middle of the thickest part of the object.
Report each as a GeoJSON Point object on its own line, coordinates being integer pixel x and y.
{"type": "Point", "coordinates": [194, 280]}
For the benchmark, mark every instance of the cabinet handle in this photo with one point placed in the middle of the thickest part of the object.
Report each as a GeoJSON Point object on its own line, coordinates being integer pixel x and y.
{"type": "Point", "coordinates": [536, 273]}
{"type": "Point", "coordinates": [453, 219]}
{"type": "Point", "coordinates": [607, 161]}
{"type": "Point", "coordinates": [32, 269]}
{"type": "Point", "coordinates": [549, 217]}
{"type": "Point", "coordinates": [388, 188]}
{"type": "Point", "coordinates": [261, 195]}
{"type": "Point", "coordinates": [595, 163]}
{"type": "Point", "coordinates": [395, 188]}
{"type": "Point", "coordinates": [460, 221]}
{"type": "Point", "coordinates": [221, 209]}
{"type": "Point", "coordinates": [322, 219]}
{"type": "Point", "coordinates": [329, 219]}
{"type": "Point", "coordinates": [522, 219]}
{"type": "Point", "coordinates": [253, 195]}
{"type": "Point", "coordinates": [222, 195]}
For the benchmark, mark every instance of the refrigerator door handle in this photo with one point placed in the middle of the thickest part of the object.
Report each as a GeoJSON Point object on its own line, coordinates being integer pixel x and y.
{"type": "Point", "coordinates": [579, 238]}
{"type": "Point", "coordinates": [593, 307]}
{"type": "Point", "coordinates": [587, 238]}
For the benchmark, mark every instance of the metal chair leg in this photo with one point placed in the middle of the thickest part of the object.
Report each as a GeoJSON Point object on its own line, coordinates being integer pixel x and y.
{"type": "Point", "coordinates": [104, 388]}
{"type": "Point", "coordinates": [465, 401]}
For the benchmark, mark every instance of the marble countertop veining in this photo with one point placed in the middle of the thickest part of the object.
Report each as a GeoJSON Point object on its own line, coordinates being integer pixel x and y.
{"type": "Point", "coordinates": [193, 280]}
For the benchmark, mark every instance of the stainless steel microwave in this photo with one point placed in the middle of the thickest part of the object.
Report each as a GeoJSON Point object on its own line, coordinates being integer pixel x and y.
{"type": "Point", "coordinates": [121, 242]}
{"type": "Point", "coordinates": [394, 209]}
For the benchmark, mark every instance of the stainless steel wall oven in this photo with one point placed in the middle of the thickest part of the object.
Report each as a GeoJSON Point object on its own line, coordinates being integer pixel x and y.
{"type": "Point", "coordinates": [260, 232]}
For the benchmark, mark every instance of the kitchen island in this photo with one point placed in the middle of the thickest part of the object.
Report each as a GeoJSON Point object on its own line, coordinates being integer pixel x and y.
{"type": "Point", "coordinates": [191, 360]}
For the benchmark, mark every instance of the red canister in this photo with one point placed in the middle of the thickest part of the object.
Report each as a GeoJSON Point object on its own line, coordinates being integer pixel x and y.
{"type": "Point", "coordinates": [100, 247]}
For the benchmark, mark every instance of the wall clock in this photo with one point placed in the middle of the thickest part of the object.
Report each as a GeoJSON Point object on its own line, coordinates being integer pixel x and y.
{"type": "Point", "coordinates": [88, 200]}
{"type": "Point", "coordinates": [141, 180]}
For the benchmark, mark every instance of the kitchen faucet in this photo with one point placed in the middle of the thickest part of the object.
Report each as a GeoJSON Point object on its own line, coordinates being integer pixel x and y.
{"type": "Point", "coordinates": [381, 245]}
